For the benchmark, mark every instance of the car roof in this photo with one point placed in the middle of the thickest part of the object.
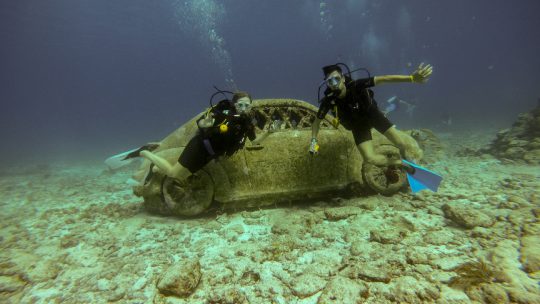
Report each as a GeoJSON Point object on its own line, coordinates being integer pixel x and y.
{"type": "Point", "coordinates": [263, 108]}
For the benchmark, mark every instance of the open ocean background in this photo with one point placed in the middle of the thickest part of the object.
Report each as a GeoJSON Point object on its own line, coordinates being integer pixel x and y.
{"type": "Point", "coordinates": [82, 80]}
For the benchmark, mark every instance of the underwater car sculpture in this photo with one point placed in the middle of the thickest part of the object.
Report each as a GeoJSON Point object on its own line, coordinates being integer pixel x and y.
{"type": "Point", "coordinates": [279, 169]}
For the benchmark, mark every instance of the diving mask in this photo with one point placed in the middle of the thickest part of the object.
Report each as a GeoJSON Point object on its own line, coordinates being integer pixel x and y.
{"type": "Point", "coordinates": [333, 81]}
{"type": "Point", "coordinates": [242, 107]}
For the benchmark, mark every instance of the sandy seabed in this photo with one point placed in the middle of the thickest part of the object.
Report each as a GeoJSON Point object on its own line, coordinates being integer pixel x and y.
{"type": "Point", "coordinates": [77, 234]}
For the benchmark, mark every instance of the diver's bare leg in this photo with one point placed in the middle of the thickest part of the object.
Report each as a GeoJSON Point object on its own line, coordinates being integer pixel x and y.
{"type": "Point", "coordinates": [368, 152]}
{"type": "Point", "coordinates": [175, 171]}
{"type": "Point", "coordinates": [180, 172]}
{"type": "Point", "coordinates": [408, 147]}
{"type": "Point", "coordinates": [394, 135]}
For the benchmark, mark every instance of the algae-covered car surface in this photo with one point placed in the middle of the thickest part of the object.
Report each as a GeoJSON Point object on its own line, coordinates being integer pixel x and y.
{"type": "Point", "coordinates": [279, 169]}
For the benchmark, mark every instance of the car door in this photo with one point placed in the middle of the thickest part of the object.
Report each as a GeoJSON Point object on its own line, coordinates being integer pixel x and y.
{"type": "Point", "coordinates": [282, 163]}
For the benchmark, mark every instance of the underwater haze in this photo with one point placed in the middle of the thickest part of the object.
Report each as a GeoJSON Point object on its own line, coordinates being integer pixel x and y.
{"type": "Point", "coordinates": [88, 79]}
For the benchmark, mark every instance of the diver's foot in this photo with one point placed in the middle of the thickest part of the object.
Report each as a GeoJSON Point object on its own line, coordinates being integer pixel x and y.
{"type": "Point", "coordinates": [408, 168]}
{"type": "Point", "coordinates": [145, 154]}
{"type": "Point", "coordinates": [379, 160]}
{"type": "Point", "coordinates": [408, 155]}
{"type": "Point", "coordinates": [138, 152]}
{"type": "Point", "coordinates": [151, 146]}
{"type": "Point", "coordinates": [394, 162]}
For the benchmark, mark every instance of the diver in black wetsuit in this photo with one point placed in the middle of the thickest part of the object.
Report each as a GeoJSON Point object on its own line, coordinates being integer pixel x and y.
{"type": "Point", "coordinates": [222, 131]}
{"type": "Point", "coordinates": [353, 106]}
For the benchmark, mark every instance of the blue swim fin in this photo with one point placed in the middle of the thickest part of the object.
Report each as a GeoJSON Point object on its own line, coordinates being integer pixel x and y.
{"type": "Point", "coordinates": [421, 178]}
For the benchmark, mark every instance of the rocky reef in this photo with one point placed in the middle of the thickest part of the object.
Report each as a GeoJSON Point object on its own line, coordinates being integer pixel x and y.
{"type": "Point", "coordinates": [75, 234]}
{"type": "Point", "coordinates": [521, 142]}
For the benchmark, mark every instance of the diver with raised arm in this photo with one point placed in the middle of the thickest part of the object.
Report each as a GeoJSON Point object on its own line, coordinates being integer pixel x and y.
{"type": "Point", "coordinates": [352, 104]}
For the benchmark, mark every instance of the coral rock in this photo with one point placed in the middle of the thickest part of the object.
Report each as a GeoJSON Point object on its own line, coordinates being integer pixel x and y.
{"type": "Point", "coordinates": [409, 290]}
{"type": "Point", "coordinates": [530, 248]}
{"type": "Point", "coordinates": [227, 295]}
{"type": "Point", "coordinates": [10, 284]}
{"type": "Point", "coordinates": [343, 290]}
{"type": "Point", "coordinates": [369, 273]}
{"type": "Point", "coordinates": [180, 279]}
{"type": "Point", "coordinates": [438, 237]}
{"type": "Point", "coordinates": [466, 217]}
{"type": "Point", "coordinates": [388, 236]}
{"type": "Point", "coordinates": [494, 293]}
{"type": "Point", "coordinates": [336, 214]}
{"type": "Point", "coordinates": [307, 285]}
{"type": "Point", "coordinates": [519, 142]}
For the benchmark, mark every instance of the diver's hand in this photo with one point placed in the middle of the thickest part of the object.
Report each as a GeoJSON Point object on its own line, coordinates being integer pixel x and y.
{"type": "Point", "coordinates": [206, 122]}
{"type": "Point", "coordinates": [314, 147]}
{"type": "Point", "coordinates": [422, 73]}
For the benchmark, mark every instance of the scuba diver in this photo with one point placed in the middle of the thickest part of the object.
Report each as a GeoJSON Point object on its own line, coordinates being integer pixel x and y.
{"type": "Point", "coordinates": [222, 131]}
{"type": "Point", "coordinates": [394, 103]}
{"type": "Point", "coordinates": [352, 104]}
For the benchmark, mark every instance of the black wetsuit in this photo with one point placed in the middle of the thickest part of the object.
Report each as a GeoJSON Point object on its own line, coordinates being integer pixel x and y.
{"type": "Point", "coordinates": [358, 111]}
{"type": "Point", "coordinates": [209, 143]}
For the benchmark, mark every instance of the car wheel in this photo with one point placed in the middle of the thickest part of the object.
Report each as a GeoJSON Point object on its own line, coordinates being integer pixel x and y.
{"type": "Point", "coordinates": [385, 180]}
{"type": "Point", "coordinates": [189, 197]}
